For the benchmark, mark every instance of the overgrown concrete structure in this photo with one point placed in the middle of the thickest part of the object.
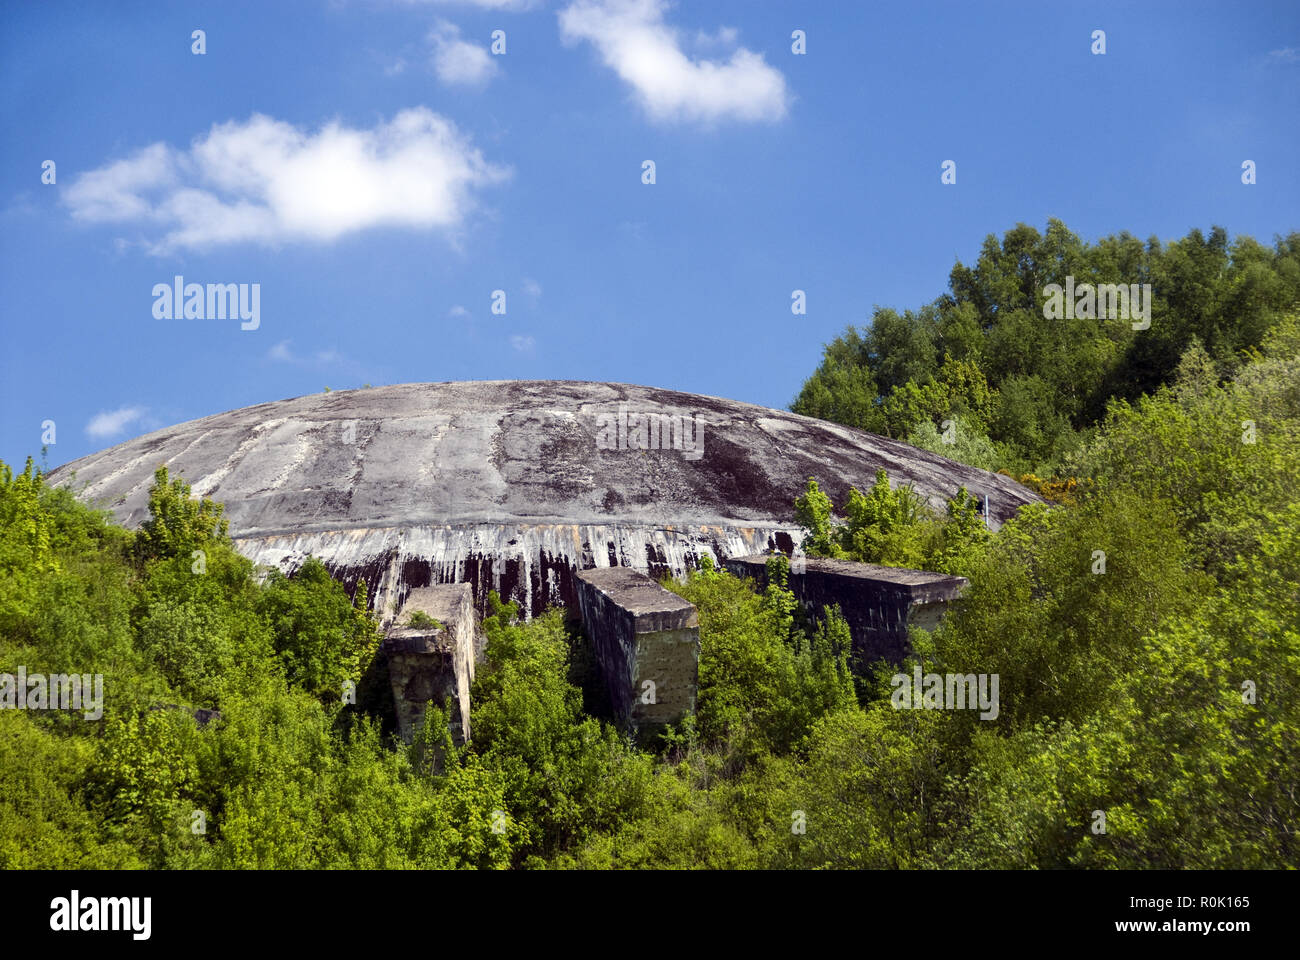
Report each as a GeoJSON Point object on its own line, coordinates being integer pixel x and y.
{"type": "Point", "coordinates": [512, 485]}
{"type": "Point", "coordinates": [878, 602]}
{"type": "Point", "coordinates": [647, 643]}
{"type": "Point", "coordinates": [434, 662]}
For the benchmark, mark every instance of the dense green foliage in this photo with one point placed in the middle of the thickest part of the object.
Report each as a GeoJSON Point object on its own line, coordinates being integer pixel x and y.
{"type": "Point", "coordinates": [1146, 634]}
{"type": "Point", "coordinates": [1022, 391]}
{"type": "Point", "coordinates": [893, 527]}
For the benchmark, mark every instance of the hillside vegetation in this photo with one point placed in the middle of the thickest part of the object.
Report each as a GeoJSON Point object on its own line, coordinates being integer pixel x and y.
{"type": "Point", "coordinates": [1024, 392]}
{"type": "Point", "coordinates": [1158, 696]}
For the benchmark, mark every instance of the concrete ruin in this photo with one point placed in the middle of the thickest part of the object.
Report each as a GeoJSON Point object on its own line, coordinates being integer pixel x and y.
{"type": "Point", "coordinates": [647, 643]}
{"type": "Point", "coordinates": [879, 603]}
{"type": "Point", "coordinates": [549, 493]}
{"type": "Point", "coordinates": [512, 486]}
{"type": "Point", "coordinates": [434, 663]}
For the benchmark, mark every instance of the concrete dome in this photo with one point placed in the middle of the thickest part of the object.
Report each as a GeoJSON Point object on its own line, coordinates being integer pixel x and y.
{"type": "Point", "coordinates": [511, 485]}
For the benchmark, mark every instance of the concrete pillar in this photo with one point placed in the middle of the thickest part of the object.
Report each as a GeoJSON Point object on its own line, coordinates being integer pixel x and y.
{"type": "Point", "coordinates": [433, 663]}
{"type": "Point", "coordinates": [878, 602]}
{"type": "Point", "coordinates": [647, 643]}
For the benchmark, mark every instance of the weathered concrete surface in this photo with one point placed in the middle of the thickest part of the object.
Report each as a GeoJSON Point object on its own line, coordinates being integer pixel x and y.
{"type": "Point", "coordinates": [426, 663]}
{"type": "Point", "coordinates": [647, 643]}
{"type": "Point", "coordinates": [878, 602]}
{"type": "Point", "coordinates": [510, 485]}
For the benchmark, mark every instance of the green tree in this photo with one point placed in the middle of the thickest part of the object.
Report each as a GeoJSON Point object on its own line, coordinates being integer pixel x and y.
{"type": "Point", "coordinates": [178, 524]}
{"type": "Point", "coordinates": [564, 775]}
{"type": "Point", "coordinates": [323, 641]}
{"type": "Point", "coordinates": [763, 680]}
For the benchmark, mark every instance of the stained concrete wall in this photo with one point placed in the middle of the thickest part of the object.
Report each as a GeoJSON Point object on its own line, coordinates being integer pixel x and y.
{"type": "Point", "coordinates": [508, 485]}
{"type": "Point", "coordinates": [426, 663]}
{"type": "Point", "coordinates": [532, 565]}
{"type": "Point", "coordinates": [878, 602]}
{"type": "Point", "coordinates": [647, 644]}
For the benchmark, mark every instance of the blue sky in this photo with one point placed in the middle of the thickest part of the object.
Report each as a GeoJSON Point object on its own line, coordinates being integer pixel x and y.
{"type": "Point", "coordinates": [379, 173]}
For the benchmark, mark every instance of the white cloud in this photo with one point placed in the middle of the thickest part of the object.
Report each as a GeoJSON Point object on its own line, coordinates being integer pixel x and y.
{"type": "Point", "coordinates": [282, 353]}
{"type": "Point", "coordinates": [459, 62]}
{"type": "Point", "coordinates": [645, 52]}
{"type": "Point", "coordinates": [458, 311]}
{"type": "Point", "coordinates": [109, 423]}
{"type": "Point", "coordinates": [532, 288]}
{"type": "Point", "coordinates": [725, 37]}
{"type": "Point", "coordinates": [265, 181]}
{"type": "Point", "coordinates": [113, 192]}
{"type": "Point", "coordinates": [1285, 55]}
{"type": "Point", "coordinates": [522, 343]}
